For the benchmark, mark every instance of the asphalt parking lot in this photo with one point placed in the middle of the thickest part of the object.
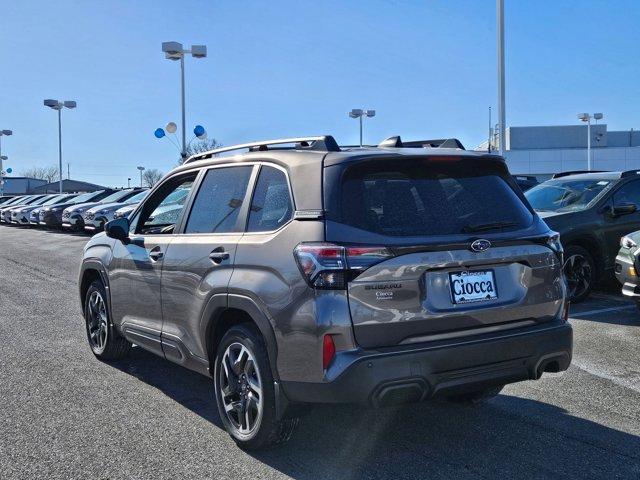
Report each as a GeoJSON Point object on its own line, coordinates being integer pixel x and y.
{"type": "Point", "coordinates": [64, 414]}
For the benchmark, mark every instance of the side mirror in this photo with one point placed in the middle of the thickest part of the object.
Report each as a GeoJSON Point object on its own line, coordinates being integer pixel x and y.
{"type": "Point", "coordinates": [118, 229]}
{"type": "Point", "coordinates": [624, 209]}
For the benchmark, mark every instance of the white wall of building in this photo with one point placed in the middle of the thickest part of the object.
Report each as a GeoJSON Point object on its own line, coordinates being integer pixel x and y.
{"type": "Point", "coordinates": [544, 162]}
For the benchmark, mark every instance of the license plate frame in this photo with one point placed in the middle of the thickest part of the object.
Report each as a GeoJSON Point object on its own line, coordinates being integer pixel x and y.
{"type": "Point", "coordinates": [476, 297]}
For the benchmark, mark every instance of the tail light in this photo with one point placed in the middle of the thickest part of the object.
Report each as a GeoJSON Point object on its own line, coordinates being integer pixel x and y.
{"type": "Point", "coordinates": [553, 242]}
{"type": "Point", "coordinates": [328, 351]}
{"type": "Point", "coordinates": [329, 266]}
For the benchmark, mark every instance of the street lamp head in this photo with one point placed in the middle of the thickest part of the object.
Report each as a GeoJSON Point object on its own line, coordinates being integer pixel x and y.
{"type": "Point", "coordinates": [70, 103]}
{"type": "Point", "coordinates": [6, 132]}
{"type": "Point", "coordinates": [199, 51]}
{"type": "Point", "coordinates": [371, 113]}
{"type": "Point", "coordinates": [355, 113]}
{"type": "Point", "coordinates": [598, 116]}
{"type": "Point", "coordinates": [141, 168]}
{"type": "Point", "coordinates": [55, 104]}
{"type": "Point", "coordinates": [583, 116]}
{"type": "Point", "coordinates": [172, 50]}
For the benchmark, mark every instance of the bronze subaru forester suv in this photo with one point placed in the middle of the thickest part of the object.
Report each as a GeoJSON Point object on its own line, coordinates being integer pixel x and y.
{"type": "Point", "coordinates": [296, 271]}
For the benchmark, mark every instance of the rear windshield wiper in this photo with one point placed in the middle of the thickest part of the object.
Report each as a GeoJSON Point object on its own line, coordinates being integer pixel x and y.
{"type": "Point", "coordinates": [487, 226]}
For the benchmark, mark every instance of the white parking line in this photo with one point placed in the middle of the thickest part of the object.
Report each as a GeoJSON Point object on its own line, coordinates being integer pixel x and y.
{"type": "Point", "coordinates": [601, 310]}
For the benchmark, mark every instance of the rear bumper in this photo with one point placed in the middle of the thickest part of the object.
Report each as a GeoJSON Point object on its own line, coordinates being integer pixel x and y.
{"type": "Point", "coordinates": [471, 363]}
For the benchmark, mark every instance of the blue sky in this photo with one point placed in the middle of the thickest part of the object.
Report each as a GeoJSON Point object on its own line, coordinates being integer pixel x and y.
{"type": "Point", "coordinates": [296, 68]}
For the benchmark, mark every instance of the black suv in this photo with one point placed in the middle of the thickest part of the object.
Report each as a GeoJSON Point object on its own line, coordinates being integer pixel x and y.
{"type": "Point", "coordinates": [591, 211]}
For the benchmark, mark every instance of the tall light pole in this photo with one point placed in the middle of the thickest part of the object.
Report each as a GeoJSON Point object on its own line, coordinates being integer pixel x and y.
{"type": "Point", "coordinates": [7, 133]}
{"type": "Point", "coordinates": [501, 104]}
{"type": "Point", "coordinates": [141, 170]}
{"type": "Point", "coordinates": [585, 117]}
{"type": "Point", "coordinates": [174, 51]}
{"type": "Point", "coordinates": [360, 113]}
{"type": "Point", "coordinates": [58, 105]}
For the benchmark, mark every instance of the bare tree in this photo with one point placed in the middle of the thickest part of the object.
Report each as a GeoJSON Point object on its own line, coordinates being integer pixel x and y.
{"type": "Point", "coordinates": [50, 174]}
{"type": "Point", "coordinates": [151, 177]}
{"type": "Point", "coordinates": [201, 146]}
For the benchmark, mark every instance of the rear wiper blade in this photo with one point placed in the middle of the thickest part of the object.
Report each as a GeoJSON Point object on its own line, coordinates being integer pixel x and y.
{"type": "Point", "coordinates": [487, 226]}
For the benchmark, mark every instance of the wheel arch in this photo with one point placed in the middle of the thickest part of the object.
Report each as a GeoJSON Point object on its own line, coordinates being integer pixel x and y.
{"type": "Point", "coordinates": [594, 247]}
{"type": "Point", "coordinates": [93, 270]}
{"type": "Point", "coordinates": [237, 309]}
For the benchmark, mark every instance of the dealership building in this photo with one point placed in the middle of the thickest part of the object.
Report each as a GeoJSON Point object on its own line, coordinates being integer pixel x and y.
{"type": "Point", "coordinates": [543, 151]}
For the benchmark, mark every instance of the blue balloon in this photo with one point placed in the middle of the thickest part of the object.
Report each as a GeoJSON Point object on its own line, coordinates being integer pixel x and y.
{"type": "Point", "coordinates": [199, 131]}
{"type": "Point", "coordinates": [9, 170]}
{"type": "Point", "coordinates": [159, 133]}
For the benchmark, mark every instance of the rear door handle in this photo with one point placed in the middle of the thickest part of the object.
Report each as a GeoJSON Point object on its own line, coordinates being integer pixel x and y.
{"type": "Point", "coordinates": [155, 254]}
{"type": "Point", "coordinates": [218, 255]}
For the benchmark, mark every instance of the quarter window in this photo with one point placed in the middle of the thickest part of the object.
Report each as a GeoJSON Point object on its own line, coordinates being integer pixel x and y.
{"type": "Point", "coordinates": [629, 193]}
{"type": "Point", "coordinates": [271, 206]}
{"type": "Point", "coordinates": [217, 205]}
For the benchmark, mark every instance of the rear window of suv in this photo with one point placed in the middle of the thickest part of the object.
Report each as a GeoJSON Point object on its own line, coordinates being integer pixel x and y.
{"type": "Point", "coordinates": [409, 197]}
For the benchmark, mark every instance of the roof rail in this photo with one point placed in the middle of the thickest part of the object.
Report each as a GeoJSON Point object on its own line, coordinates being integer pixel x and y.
{"type": "Point", "coordinates": [396, 142]}
{"type": "Point", "coordinates": [576, 172]}
{"type": "Point", "coordinates": [323, 143]}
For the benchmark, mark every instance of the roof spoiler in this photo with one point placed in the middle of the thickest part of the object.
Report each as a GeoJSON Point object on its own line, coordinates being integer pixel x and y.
{"type": "Point", "coordinates": [396, 142]}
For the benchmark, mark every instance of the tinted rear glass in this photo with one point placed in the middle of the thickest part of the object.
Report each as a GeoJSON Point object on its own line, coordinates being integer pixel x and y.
{"type": "Point", "coordinates": [422, 197]}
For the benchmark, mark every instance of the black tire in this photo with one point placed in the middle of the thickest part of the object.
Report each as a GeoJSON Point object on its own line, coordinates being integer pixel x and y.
{"type": "Point", "coordinates": [267, 429]}
{"type": "Point", "coordinates": [478, 396]}
{"type": "Point", "coordinates": [580, 271]}
{"type": "Point", "coordinates": [105, 341]}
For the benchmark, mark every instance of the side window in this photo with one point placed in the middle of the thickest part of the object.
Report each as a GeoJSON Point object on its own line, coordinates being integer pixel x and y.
{"type": "Point", "coordinates": [271, 206]}
{"type": "Point", "coordinates": [161, 211]}
{"type": "Point", "coordinates": [217, 205]}
{"type": "Point", "coordinates": [629, 193]}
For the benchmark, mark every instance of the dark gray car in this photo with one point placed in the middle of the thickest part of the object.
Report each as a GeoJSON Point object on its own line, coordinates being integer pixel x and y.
{"type": "Point", "coordinates": [317, 273]}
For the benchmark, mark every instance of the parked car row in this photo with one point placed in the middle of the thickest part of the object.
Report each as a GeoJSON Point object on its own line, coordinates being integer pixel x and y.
{"type": "Point", "coordinates": [75, 212]}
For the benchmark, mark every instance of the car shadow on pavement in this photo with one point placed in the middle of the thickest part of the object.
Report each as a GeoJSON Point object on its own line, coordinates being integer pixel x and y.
{"type": "Point", "coordinates": [190, 389]}
{"type": "Point", "coordinates": [508, 437]}
{"type": "Point", "coordinates": [68, 233]}
{"type": "Point", "coordinates": [623, 317]}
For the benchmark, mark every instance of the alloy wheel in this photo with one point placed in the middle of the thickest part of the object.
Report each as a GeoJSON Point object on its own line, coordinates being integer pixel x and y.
{"type": "Point", "coordinates": [241, 388]}
{"type": "Point", "coordinates": [97, 321]}
{"type": "Point", "coordinates": [579, 275]}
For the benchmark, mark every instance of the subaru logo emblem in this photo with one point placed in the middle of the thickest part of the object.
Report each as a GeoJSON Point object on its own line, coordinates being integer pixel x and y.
{"type": "Point", "coordinates": [480, 245]}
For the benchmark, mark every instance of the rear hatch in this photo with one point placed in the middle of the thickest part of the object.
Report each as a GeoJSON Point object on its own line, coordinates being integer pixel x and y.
{"type": "Point", "coordinates": [457, 248]}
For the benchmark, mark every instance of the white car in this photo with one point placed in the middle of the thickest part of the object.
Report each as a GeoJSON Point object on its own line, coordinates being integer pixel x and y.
{"type": "Point", "coordinates": [96, 217]}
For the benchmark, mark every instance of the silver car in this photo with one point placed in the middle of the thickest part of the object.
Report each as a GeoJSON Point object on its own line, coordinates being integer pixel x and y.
{"type": "Point", "coordinates": [6, 210]}
{"type": "Point", "coordinates": [96, 217]}
{"type": "Point", "coordinates": [73, 216]}
{"type": "Point", "coordinates": [34, 213]}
